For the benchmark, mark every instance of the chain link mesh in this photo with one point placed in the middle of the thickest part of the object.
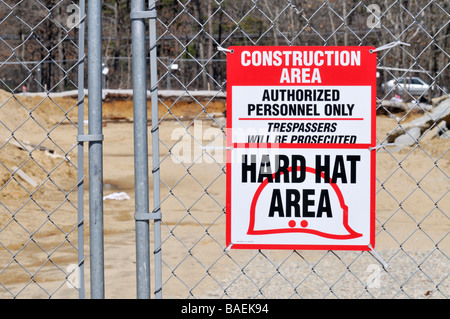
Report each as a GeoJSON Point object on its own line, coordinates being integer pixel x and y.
{"type": "Point", "coordinates": [38, 149]}
{"type": "Point", "coordinates": [412, 197]}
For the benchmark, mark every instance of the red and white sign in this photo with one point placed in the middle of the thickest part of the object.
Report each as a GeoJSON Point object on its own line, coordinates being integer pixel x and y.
{"type": "Point", "coordinates": [300, 133]}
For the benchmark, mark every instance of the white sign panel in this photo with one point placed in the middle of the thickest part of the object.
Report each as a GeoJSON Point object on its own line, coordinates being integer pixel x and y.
{"type": "Point", "coordinates": [308, 197]}
{"type": "Point", "coordinates": [300, 137]}
{"type": "Point", "coordinates": [304, 115]}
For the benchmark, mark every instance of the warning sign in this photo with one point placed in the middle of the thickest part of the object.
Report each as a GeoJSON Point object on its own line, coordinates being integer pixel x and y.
{"type": "Point", "coordinates": [300, 133]}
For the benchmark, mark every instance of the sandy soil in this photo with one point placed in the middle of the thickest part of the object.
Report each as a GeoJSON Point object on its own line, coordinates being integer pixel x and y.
{"type": "Point", "coordinates": [409, 182]}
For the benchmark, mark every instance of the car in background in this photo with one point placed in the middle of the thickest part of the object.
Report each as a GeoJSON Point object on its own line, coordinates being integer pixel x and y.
{"type": "Point", "coordinates": [412, 85]}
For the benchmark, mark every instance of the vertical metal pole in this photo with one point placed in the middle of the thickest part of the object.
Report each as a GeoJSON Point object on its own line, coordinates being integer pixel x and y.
{"type": "Point", "coordinates": [95, 148]}
{"type": "Point", "coordinates": [81, 57]}
{"type": "Point", "coordinates": [39, 78]}
{"type": "Point", "coordinates": [155, 151]}
{"type": "Point", "coordinates": [140, 151]}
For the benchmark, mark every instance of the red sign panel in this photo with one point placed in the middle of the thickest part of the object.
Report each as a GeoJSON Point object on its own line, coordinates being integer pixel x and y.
{"type": "Point", "coordinates": [300, 130]}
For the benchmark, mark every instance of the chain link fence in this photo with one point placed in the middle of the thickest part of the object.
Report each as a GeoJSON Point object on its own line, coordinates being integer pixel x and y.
{"type": "Point", "coordinates": [41, 222]}
{"type": "Point", "coordinates": [411, 257]}
{"type": "Point", "coordinates": [41, 161]}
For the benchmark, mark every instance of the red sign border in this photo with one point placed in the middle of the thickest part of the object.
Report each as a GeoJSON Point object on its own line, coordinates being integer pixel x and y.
{"type": "Point", "coordinates": [230, 144]}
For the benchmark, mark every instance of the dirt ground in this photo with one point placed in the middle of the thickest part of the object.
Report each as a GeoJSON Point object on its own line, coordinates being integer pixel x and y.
{"type": "Point", "coordinates": [409, 182]}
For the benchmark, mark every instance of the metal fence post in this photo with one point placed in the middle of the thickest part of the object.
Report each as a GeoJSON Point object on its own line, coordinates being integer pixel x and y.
{"type": "Point", "coordinates": [155, 150]}
{"type": "Point", "coordinates": [81, 59]}
{"type": "Point", "coordinates": [140, 150]}
{"type": "Point", "coordinates": [95, 149]}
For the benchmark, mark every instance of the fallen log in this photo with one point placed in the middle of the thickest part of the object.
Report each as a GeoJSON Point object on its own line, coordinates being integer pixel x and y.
{"type": "Point", "coordinates": [397, 106]}
{"type": "Point", "coordinates": [440, 113]}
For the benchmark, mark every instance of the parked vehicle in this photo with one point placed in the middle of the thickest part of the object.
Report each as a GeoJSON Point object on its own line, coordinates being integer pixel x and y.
{"type": "Point", "coordinates": [413, 85]}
